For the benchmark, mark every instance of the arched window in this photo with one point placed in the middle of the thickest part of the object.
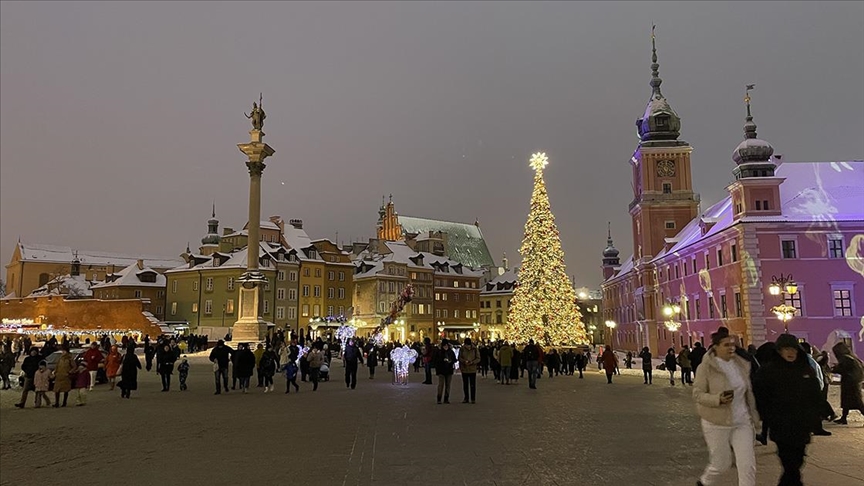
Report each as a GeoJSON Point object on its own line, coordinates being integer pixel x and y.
{"type": "Point", "coordinates": [43, 279]}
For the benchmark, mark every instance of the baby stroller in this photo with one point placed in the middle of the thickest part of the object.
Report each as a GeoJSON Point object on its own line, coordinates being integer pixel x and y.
{"type": "Point", "coordinates": [324, 372]}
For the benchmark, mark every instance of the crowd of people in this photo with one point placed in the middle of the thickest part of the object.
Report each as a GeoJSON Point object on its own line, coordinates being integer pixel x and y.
{"type": "Point", "coordinates": [781, 387]}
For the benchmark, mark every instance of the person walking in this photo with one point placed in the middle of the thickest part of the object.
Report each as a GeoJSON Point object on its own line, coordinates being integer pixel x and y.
{"type": "Point", "coordinates": [581, 362]}
{"type": "Point", "coordinates": [129, 373]}
{"type": "Point", "coordinates": [696, 355]}
{"type": "Point", "coordinates": [609, 362]}
{"type": "Point", "coordinates": [444, 365]}
{"type": "Point", "coordinates": [428, 354]}
{"type": "Point", "coordinates": [351, 356]}
{"type": "Point", "coordinates": [29, 366]}
{"type": "Point", "coordinates": [684, 362]}
{"type": "Point", "coordinates": [484, 360]}
{"type": "Point", "coordinates": [92, 359]}
{"type": "Point", "coordinates": [63, 375]}
{"type": "Point", "coordinates": [671, 363]}
{"type": "Point", "coordinates": [165, 364]}
{"type": "Point", "coordinates": [469, 358]}
{"type": "Point", "coordinates": [647, 365]}
{"type": "Point", "coordinates": [183, 373]}
{"type": "Point", "coordinates": [851, 372]}
{"type": "Point", "coordinates": [259, 351]}
{"type": "Point", "coordinates": [7, 363]}
{"type": "Point", "coordinates": [505, 357]}
{"type": "Point", "coordinates": [112, 365]}
{"type": "Point", "coordinates": [817, 370]}
{"type": "Point", "coordinates": [41, 383]}
{"type": "Point", "coordinates": [81, 385]}
{"type": "Point", "coordinates": [245, 366]}
{"type": "Point", "coordinates": [725, 402]}
{"type": "Point", "coordinates": [531, 355]}
{"type": "Point", "coordinates": [372, 360]}
{"type": "Point", "coordinates": [267, 367]}
{"type": "Point", "coordinates": [220, 356]}
{"type": "Point", "coordinates": [315, 357]}
{"type": "Point", "coordinates": [290, 369]}
{"type": "Point", "coordinates": [788, 398]}
{"type": "Point", "coordinates": [149, 353]}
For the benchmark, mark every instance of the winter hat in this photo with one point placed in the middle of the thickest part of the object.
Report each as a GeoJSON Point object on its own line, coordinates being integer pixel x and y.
{"type": "Point", "coordinates": [445, 341]}
{"type": "Point", "coordinates": [787, 341]}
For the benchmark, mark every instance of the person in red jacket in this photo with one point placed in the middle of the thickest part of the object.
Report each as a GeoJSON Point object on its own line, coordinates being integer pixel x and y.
{"type": "Point", "coordinates": [92, 358]}
{"type": "Point", "coordinates": [610, 363]}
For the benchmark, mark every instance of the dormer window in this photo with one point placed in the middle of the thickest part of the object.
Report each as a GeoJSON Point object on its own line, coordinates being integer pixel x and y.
{"type": "Point", "coordinates": [662, 120]}
{"type": "Point", "coordinates": [313, 254]}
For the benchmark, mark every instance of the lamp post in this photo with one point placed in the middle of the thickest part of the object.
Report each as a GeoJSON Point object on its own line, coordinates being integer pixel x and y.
{"type": "Point", "coordinates": [223, 314]}
{"type": "Point", "coordinates": [611, 325]}
{"type": "Point", "coordinates": [782, 286]}
{"type": "Point", "coordinates": [670, 311]}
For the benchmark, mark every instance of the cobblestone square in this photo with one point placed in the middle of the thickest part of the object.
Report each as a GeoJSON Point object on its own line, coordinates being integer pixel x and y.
{"type": "Point", "coordinates": [567, 432]}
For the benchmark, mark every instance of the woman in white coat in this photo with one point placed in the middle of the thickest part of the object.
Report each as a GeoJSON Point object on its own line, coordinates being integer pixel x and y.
{"type": "Point", "coordinates": [725, 401]}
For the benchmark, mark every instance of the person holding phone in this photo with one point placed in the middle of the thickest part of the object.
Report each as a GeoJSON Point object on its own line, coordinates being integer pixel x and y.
{"type": "Point", "coordinates": [727, 406]}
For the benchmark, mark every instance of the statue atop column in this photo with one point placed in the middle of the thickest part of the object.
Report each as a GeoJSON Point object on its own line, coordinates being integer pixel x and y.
{"type": "Point", "coordinates": [257, 116]}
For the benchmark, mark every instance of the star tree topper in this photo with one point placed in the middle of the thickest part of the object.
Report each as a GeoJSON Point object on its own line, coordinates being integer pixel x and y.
{"type": "Point", "coordinates": [539, 161]}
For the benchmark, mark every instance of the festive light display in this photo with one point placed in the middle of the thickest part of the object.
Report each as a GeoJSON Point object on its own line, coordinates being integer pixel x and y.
{"type": "Point", "coordinates": [544, 302]}
{"type": "Point", "coordinates": [344, 333]}
{"type": "Point", "coordinates": [402, 359]}
{"type": "Point", "coordinates": [395, 308]}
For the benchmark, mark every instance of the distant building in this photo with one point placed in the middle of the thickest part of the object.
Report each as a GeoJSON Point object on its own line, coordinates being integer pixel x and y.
{"type": "Point", "coordinates": [803, 219]}
{"type": "Point", "coordinates": [34, 265]}
{"type": "Point", "coordinates": [135, 282]}
{"type": "Point", "coordinates": [495, 302]}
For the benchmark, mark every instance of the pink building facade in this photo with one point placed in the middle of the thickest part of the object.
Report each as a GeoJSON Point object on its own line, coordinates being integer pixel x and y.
{"type": "Point", "coordinates": [803, 219]}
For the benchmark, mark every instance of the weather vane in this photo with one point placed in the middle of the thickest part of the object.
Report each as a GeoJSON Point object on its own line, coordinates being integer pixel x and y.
{"type": "Point", "coordinates": [748, 88]}
{"type": "Point", "coordinates": [539, 161]}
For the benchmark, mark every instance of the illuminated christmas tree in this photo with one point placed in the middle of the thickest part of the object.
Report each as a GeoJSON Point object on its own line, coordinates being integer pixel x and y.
{"type": "Point", "coordinates": [544, 302]}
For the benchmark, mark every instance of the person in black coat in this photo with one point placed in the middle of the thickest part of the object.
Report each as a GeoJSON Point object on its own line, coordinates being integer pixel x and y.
{"type": "Point", "coordinates": [129, 374]}
{"type": "Point", "coordinates": [220, 356]}
{"type": "Point", "coordinates": [647, 365]}
{"type": "Point", "coordinates": [851, 372]}
{"type": "Point", "coordinates": [165, 361]}
{"type": "Point", "coordinates": [765, 354]}
{"type": "Point", "coordinates": [372, 360]}
{"type": "Point", "coordinates": [30, 366]}
{"type": "Point", "coordinates": [149, 352]}
{"type": "Point", "coordinates": [671, 363]}
{"type": "Point", "coordinates": [244, 366]}
{"type": "Point", "coordinates": [445, 361]}
{"type": "Point", "coordinates": [696, 355]}
{"type": "Point", "coordinates": [581, 361]}
{"type": "Point", "coordinates": [351, 356]}
{"type": "Point", "coordinates": [788, 398]}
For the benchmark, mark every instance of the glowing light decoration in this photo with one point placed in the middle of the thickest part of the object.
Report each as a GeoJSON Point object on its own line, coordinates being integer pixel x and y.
{"type": "Point", "coordinates": [544, 302]}
{"type": "Point", "coordinates": [344, 333]}
{"type": "Point", "coordinates": [402, 359]}
{"type": "Point", "coordinates": [302, 352]}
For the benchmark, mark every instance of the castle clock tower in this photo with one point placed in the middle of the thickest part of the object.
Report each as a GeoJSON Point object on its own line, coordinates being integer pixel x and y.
{"type": "Point", "coordinates": [663, 198]}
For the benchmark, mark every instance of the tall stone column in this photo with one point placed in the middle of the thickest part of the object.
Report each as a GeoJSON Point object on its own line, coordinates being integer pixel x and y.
{"type": "Point", "coordinates": [250, 326]}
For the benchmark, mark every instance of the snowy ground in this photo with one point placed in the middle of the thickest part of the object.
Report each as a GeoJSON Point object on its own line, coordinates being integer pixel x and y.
{"type": "Point", "coordinates": [568, 432]}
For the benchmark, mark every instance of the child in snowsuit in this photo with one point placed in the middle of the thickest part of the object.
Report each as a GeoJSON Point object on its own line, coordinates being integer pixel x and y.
{"type": "Point", "coordinates": [290, 370]}
{"type": "Point", "coordinates": [81, 384]}
{"type": "Point", "coordinates": [183, 369]}
{"type": "Point", "coordinates": [41, 383]}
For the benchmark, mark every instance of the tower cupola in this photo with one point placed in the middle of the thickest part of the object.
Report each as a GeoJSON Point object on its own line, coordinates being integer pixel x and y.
{"type": "Point", "coordinates": [659, 122]}
{"type": "Point", "coordinates": [752, 156]}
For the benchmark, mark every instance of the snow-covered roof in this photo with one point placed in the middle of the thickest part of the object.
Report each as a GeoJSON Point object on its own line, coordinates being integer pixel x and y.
{"type": "Point", "coordinates": [502, 284]}
{"type": "Point", "coordinates": [64, 254]}
{"type": "Point", "coordinates": [297, 239]}
{"type": "Point", "coordinates": [400, 252]}
{"type": "Point", "coordinates": [465, 241]}
{"type": "Point", "coordinates": [131, 277]}
{"type": "Point", "coordinates": [66, 285]}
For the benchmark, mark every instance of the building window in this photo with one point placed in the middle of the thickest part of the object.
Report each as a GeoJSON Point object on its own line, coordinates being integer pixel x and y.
{"type": "Point", "coordinates": [788, 247]}
{"type": "Point", "coordinates": [280, 294]}
{"type": "Point", "coordinates": [456, 314]}
{"type": "Point", "coordinates": [842, 302]}
{"type": "Point", "coordinates": [698, 309]}
{"type": "Point", "coordinates": [230, 283]}
{"type": "Point", "coordinates": [794, 300]}
{"type": "Point", "coordinates": [676, 272]}
{"type": "Point", "coordinates": [670, 224]}
{"type": "Point", "coordinates": [723, 311]}
{"type": "Point", "coordinates": [711, 307]}
{"type": "Point", "coordinates": [341, 276]}
{"type": "Point", "coordinates": [280, 275]}
{"type": "Point", "coordinates": [734, 253]}
{"type": "Point", "coordinates": [160, 294]}
{"type": "Point", "coordinates": [331, 293]}
{"type": "Point", "coordinates": [437, 313]}
{"type": "Point", "coordinates": [835, 248]}
{"type": "Point", "coordinates": [341, 293]}
{"type": "Point", "coordinates": [444, 313]}
{"type": "Point", "coordinates": [173, 308]}
{"type": "Point", "coordinates": [317, 273]}
{"type": "Point", "coordinates": [316, 309]}
{"type": "Point", "coordinates": [444, 296]}
{"type": "Point", "coordinates": [137, 294]}
{"type": "Point", "coordinates": [758, 205]}
{"type": "Point", "coordinates": [331, 275]}
{"type": "Point", "coordinates": [305, 310]}
{"type": "Point", "coordinates": [456, 297]}
{"type": "Point", "coordinates": [456, 283]}
{"type": "Point", "coordinates": [341, 310]}
{"type": "Point", "coordinates": [208, 307]}
{"type": "Point", "coordinates": [229, 306]}
{"type": "Point", "coordinates": [280, 313]}
{"type": "Point", "coordinates": [316, 292]}
{"type": "Point", "coordinates": [305, 272]}
{"type": "Point", "coordinates": [292, 313]}
{"type": "Point", "coordinates": [266, 285]}
{"type": "Point", "coordinates": [209, 284]}
{"type": "Point", "coordinates": [292, 276]}
{"type": "Point", "coordinates": [174, 287]}
{"type": "Point", "coordinates": [667, 188]}
{"type": "Point", "coordinates": [707, 262]}
{"type": "Point", "coordinates": [719, 257]}
{"type": "Point", "coordinates": [292, 294]}
{"type": "Point", "coordinates": [437, 296]}
{"type": "Point", "coordinates": [765, 205]}
{"type": "Point", "coordinates": [498, 303]}
{"type": "Point", "coordinates": [687, 309]}
{"type": "Point", "coordinates": [421, 308]}
{"type": "Point", "coordinates": [694, 265]}
{"type": "Point", "coordinates": [305, 291]}
{"type": "Point", "coordinates": [739, 310]}
{"type": "Point", "coordinates": [194, 286]}
{"type": "Point", "coordinates": [266, 306]}
{"type": "Point", "coordinates": [329, 310]}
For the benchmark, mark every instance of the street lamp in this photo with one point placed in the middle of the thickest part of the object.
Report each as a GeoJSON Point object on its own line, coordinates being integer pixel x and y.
{"type": "Point", "coordinates": [611, 325]}
{"type": "Point", "coordinates": [670, 310]}
{"type": "Point", "coordinates": [782, 286]}
{"type": "Point", "coordinates": [223, 314]}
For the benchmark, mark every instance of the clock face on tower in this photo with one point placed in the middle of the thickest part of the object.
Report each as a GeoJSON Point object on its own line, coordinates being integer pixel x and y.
{"type": "Point", "coordinates": [666, 168]}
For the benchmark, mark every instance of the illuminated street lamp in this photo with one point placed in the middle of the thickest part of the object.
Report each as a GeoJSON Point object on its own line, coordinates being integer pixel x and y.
{"type": "Point", "coordinates": [611, 325]}
{"type": "Point", "coordinates": [782, 286]}
{"type": "Point", "coordinates": [671, 310]}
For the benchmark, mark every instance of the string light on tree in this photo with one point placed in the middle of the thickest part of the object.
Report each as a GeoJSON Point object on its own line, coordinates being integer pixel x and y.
{"type": "Point", "coordinates": [544, 302]}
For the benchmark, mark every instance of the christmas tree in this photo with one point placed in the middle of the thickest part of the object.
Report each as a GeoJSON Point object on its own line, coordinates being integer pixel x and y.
{"type": "Point", "coordinates": [544, 302]}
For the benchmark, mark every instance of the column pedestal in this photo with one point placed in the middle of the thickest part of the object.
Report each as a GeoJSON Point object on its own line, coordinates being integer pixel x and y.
{"type": "Point", "coordinates": [250, 327]}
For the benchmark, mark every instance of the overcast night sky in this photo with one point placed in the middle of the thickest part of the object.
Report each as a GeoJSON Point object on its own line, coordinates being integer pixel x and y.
{"type": "Point", "coordinates": [119, 121]}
